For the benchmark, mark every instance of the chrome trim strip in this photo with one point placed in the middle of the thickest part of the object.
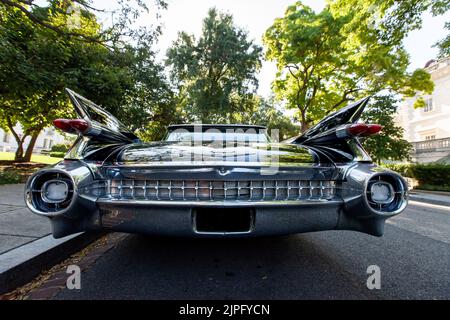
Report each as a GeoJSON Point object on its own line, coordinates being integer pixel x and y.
{"type": "Point", "coordinates": [202, 164]}
{"type": "Point", "coordinates": [236, 203]}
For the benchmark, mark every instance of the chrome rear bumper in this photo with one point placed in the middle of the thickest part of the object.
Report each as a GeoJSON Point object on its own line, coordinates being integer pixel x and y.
{"type": "Point", "coordinates": [178, 219]}
{"type": "Point", "coordinates": [293, 201]}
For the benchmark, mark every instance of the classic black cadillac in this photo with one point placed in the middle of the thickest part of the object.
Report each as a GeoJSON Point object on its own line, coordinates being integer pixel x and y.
{"type": "Point", "coordinates": [215, 180]}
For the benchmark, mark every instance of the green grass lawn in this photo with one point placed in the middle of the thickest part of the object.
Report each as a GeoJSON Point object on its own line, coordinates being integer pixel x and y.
{"type": "Point", "coordinates": [34, 158]}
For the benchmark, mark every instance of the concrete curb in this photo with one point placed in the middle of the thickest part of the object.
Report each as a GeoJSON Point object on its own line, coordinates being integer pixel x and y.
{"type": "Point", "coordinates": [430, 201]}
{"type": "Point", "coordinates": [21, 265]}
{"type": "Point", "coordinates": [439, 193]}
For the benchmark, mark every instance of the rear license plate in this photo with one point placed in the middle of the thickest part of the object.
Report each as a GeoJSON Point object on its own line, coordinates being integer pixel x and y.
{"type": "Point", "coordinates": [223, 220]}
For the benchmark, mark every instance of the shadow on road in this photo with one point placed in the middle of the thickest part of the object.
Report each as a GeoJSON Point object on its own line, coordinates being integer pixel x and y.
{"type": "Point", "coordinates": [288, 267]}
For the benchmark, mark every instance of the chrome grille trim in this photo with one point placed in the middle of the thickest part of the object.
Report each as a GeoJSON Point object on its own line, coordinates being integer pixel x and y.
{"type": "Point", "coordinates": [213, 190]}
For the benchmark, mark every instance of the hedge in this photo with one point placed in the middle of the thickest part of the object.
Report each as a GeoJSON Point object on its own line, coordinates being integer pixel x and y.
{"type": "Point", "coordinates": [430, 176]}
{"type": "Point", "coordinates": [434, 188]}
{"type": "Point", "coordinates": [57, 154]}
{"type": "Point", "coordinates": [59, 148]}
{"type": "Point", "coordinates": [403, 169]}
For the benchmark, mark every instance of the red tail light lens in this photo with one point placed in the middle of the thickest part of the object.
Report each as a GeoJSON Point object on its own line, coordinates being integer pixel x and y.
{"type": "Point", "coordinates": [79, 124]}
{"type": "Point", "coordinates": [357, 129]}
{"type": "Point", "coordinates": [374, 129]}
{"type": "Point", "coordinates": [363, 130]}
{"type": "Point", "coordinates": [71, 125]}
{"type": "Point", "coordinates": [64, 125]}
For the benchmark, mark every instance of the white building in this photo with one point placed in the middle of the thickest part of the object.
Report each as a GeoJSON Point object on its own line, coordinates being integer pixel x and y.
{"type": "Point", "coordinates": [46, 139]}
{"type": "Point", "coordinates": [428, 128]}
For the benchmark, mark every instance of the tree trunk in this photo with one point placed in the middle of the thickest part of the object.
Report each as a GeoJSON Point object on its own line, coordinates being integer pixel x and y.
{"type": "Point", "coordinates": [30, 147]}
{"type": "Point", "coordinates": [18, 156]}
{"type": "Point", "coordinates": [303, 122]}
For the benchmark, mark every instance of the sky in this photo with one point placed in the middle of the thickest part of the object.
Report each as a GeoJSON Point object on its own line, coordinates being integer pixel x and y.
{"type": "Point", "coordinates": [256, 16]}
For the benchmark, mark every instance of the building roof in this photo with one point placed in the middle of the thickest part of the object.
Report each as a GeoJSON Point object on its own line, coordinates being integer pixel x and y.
{"type": "Point", "coordinates": [429, 63]}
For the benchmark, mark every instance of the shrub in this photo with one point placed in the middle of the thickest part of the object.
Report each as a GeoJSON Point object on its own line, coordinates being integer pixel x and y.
{"type": "Point", "coordinates": [432, 176]}
{"type": "Point", "coordinates": [59, 148]}
{"type": "Point", "coordinates": [10, 177]}
{"type": "Point", "coordinates": [57, 154]}
{"type": "Point", "coordinates": [403, 169]}
{"type": "Point", "coordinates": [433, 188]}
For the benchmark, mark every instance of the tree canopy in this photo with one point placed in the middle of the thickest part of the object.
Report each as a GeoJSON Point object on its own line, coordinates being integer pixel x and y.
{"type": "Point", "coordinates": [444, 44]}
{"type": "Point", "coordinates": [37, 63]}
{"type": "Point", "coordinates": [67, 18]}
{"type": "Point", "coordinates": [269, 113]}
{"type": "Point", "coordinates": [215, 74]}
{"type": "Point", "coordinates": [391, 20]}
{"type": "Point", "coordinates": [323, 62]}
{"type": "Point", "coordinates": [389, 143]}
{"type": "Point", "coordinates": [326, 59]}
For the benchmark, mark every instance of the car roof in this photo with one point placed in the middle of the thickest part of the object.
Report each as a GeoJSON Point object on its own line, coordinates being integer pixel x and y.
{"type": "Point", "coordinates": [215, 126]}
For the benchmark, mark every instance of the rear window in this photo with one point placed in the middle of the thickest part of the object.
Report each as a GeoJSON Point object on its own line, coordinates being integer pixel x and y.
{"type": "Point", "coordinates": [217, 135]}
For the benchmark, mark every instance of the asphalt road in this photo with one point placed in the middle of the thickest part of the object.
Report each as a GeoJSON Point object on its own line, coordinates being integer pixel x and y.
{"type": "Point", "coordinates": [413, 256]}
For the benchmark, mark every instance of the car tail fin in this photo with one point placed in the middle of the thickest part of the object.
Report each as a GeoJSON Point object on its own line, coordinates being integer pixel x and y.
{"type": "Point", "coordinates": [94, 122]}
{"type": "Point", "coordinates": [337, 134]}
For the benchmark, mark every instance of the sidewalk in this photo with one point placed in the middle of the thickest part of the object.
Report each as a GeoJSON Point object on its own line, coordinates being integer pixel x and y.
{"type": "Point", "coordinates": [18, 225]}
{"type": "Point", "coordinates": [438, 198]}
{"type": "Point", "coordinates": [26, 244]}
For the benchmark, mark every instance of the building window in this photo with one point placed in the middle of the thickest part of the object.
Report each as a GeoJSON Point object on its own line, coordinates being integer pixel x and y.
{"type": "Point", "coordinates": [51, 131]}
{"type": "Point", "coordinates": [45, 144]}
{"type": "Point", "coordinates": [428, 105]}
{"type": "Point", "coordinates": [50, 144]}
{"type": "Point", "coordinates": [6, 137]}
{"type": "Point", "coordinates": [430, 137]}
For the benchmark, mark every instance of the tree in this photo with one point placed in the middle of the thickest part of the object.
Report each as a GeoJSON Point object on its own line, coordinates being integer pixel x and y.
{"type": "Point", "coordinates": [392, 20]}
{"type": "Point", "coordinates": [389, 143]}
{"type": "Point", "coordinates": [323, 63]}
{"type": "Point", "coordinates": [444, 44]}
{"type": "Point", "coordinates": [30, 63]}
{"type": "Point", "coordinates": [126, 12]}
{"type": "Point", "coordinates": [127, 82]}
{"type": "Point", "coordinates": [152, 105]}
{"type": "Point", "coordinates": [36, 64]}
{"type": "Point", "coordinates": [216, 73]}
{"type": "Point", "coordinates": [271, 115]}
